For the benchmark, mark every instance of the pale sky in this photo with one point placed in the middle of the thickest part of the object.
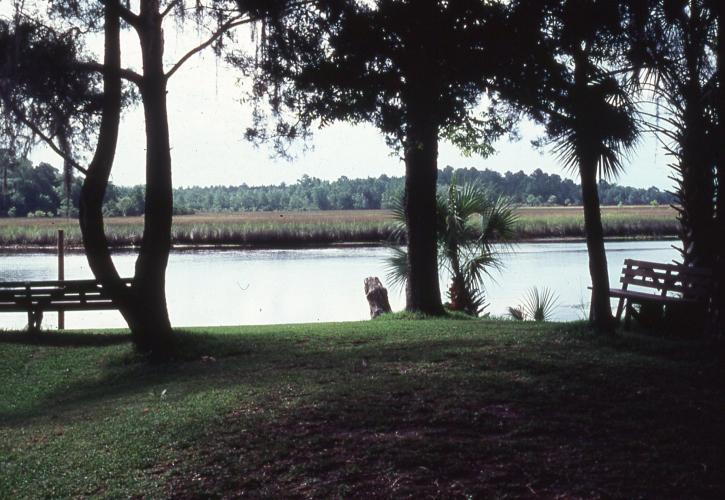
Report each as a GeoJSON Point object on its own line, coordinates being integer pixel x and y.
{"type": "Point", "coordinates": [207, 122]}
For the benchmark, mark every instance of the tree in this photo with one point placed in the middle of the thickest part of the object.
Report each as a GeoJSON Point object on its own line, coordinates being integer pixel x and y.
{"type": "Point", "coordinates": [414, 69]}
{"type": "Point", "coordinates": [470, 224]}
{"type": "Point", "coordinates": [679, 38]}
{"type": "Point", "coordinates": [144, 304]}
{"type": "Point", "coordinates": [686, 46]}
{"type": "Point", "coordinates": [589, 115]}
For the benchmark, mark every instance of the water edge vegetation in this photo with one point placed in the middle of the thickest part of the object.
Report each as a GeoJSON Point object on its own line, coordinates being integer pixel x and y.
{"type": "Point", "coordinates": [330, 227]}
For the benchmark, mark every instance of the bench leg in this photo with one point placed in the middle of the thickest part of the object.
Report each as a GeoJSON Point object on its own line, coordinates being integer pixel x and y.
{"type": "Point", "coordinates": [620, 306]}
{"type": "Point", "coordinates": [35, 318]}
{"type": "Point", "coordinates": [627, 314]}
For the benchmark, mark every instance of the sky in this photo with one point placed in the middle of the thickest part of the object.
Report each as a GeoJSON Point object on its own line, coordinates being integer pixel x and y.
{"type": "Point", "coordinates": [207, 122]}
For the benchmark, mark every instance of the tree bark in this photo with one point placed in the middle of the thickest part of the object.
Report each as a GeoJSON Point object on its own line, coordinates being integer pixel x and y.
{"type": "Point", "coordinates": [697, 184]}
{"type": "Point", "coordinates": [99, 170]}
{"type": "Point", "coordinates": [422, 291]}
{"type": "Point", "coordinates": [153, 327]}
{"type": "Point", "coordinates": [601, 312]}
{"type": "Point", "coordinates": [377, 297]}
{"type": "Point", "coordinates": [600, 317]}
{"type": "Point", "coordinates": [719, 296]}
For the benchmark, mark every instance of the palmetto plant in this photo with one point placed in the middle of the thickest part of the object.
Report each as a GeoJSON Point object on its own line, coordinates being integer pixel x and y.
{"type": "Point", "coordinates": [473, 228]}
{"type": "Point", "coordinates": [538, 305]}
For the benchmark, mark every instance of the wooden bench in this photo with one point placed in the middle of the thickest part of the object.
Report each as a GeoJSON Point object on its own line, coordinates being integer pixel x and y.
{"type": "Point", "coordinates": [35, 297]}
{"type": "Point", "coordinates": [674, 284]}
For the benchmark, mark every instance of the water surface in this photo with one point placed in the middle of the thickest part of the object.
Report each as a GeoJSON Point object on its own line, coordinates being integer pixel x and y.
{"type": "Point", "coordinates": [235, 287]}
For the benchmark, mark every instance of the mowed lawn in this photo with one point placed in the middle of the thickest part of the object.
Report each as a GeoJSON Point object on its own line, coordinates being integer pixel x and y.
{"type": "Point", "coordinates": [392, 407]}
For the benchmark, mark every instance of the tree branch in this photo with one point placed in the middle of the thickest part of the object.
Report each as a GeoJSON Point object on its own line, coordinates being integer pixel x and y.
{"type": "Point", "coordinates": [125, 13]}
{"type": "Point", "coordinates": [231, 24]}
{"type": "Point", "coordinates": [126, 74]}
{"type": "Point", "coordinates": [169, 7]}
{"type": "Point", "coordinates": [36, 130]}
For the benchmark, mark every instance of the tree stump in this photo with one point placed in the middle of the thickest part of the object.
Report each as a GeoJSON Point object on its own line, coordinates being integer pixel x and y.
{"type": "Point", "coordinates": [377, 297]}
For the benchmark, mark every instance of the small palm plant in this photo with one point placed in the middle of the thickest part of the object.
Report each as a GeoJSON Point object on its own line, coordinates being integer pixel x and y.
{"type": "Point", "coordinates": [538, 305]}
{"type": "Point", "coordinates": [469, 222]}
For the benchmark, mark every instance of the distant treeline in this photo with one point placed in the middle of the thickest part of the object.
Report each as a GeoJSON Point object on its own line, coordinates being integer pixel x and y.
{"type": "Point", "coordinates": [38, 191]}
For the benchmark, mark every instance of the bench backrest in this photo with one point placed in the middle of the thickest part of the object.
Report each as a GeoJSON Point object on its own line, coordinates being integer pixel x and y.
{"type": "Point", "coordinates": [55, 295]}
{"type": "Point", "coordinates": [689, 282]}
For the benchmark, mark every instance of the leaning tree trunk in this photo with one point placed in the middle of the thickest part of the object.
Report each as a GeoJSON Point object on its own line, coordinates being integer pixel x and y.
{"type": "Point", "coordinates": [144, 305]}
{"type": "Point", "coordinates": [96, 179]}
{"type": "Point", "coordinates": [153, 328]}
{"type": "Point", "coordinates": [422, 291]}
{"type": "Point", "coordinates": [601, 311]}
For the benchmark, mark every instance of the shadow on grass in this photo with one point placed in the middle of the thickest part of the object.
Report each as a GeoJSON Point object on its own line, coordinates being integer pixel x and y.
{"type": "Point", "coordinates": [61, 339]}
{"type": "Point", "coordinates": [478, 421]}
{"type": "Point", "coordinates": [208, 362]}
{"type": "Point", "coordinates": [216, 361]}
{"type": "Point", "coordinates": [558, 414]}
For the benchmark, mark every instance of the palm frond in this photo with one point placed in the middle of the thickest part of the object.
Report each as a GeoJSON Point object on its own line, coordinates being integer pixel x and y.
{"type": "Point", "coordinates": [540, 305]}
{"type": "Point", "coordinates": [516, 313]}
{"type": "Point", "coordinates": [477, 265]}
{"type": "Point", "coordinates": [498, 222]}
{"type": "Point", "coordinates": [397, 209]}
{"type": "Point", "coordinates": [396, 267]}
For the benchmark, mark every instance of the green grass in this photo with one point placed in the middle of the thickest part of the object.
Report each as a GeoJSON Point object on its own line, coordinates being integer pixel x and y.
{"type": "Point", "coordinates": [327, 227]}
{"type": "Point", "coordinates": [391, 407]}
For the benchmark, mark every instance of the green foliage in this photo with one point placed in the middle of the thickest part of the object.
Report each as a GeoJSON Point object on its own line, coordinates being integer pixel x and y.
{"type": "Point", "coordinates": [472, 229]}
{"type": "Point", "coordinates": [29, 189]}
{"type": "Point", "coordinates": [377, 62]}
{"type": "Point", "coordinates": [537, 305]}
{"type": "Point", "coordinates": [43, 85]}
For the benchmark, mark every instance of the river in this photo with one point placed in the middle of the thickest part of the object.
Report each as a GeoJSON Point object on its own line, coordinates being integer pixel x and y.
{"type": "Point", "coordinates": [235, 287]}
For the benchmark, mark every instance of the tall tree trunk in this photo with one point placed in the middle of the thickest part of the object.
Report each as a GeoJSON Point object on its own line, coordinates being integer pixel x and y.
{"type": "Point", "coordinates": [600, 316]}
{"type": "Point", "coordinates": [153, 329]}
{"type": "Point", "coordinates": [422, 290]}
{"type": "Point", "coordinates": [697, 182]}
{"type": "Point", "coordinates": [719, 298]}
{"type": "Point", "coordinates": [601, 310]}
{"type": "Point", "coordinates": [99, 170]}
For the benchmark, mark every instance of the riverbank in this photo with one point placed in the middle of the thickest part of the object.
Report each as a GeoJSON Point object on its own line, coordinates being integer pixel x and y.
{"type": "Point", "coordinates": [298, 229]}
{"type": "Point", "coordinates": [377, 408]}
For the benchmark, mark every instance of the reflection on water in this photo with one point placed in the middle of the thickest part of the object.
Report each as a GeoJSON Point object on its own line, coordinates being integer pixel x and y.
{"type": "Point", "coordinates": [232, 287]}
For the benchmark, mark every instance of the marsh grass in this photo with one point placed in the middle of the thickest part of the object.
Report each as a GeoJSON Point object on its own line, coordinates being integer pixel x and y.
{"type": "Point", "coordinates": [396, 407]}
{"type": "Point", "coordinates": [328, 227]}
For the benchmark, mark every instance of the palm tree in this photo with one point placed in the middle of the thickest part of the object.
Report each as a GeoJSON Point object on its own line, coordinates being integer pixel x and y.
{"type": "Point", "coordinates": [575, 86]}
{"type": "Point", "coordinates": [680, 37]}
{"type": "Point", "coordinates": [469, 223]}
{"type": "Point", "coordinates": [592, 134]}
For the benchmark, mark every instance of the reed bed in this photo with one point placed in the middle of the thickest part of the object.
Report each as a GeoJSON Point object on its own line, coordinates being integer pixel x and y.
{"type": "Point", "coordinates": [327, 227]}
{"type": "Point", "coordinates": [568, 222]}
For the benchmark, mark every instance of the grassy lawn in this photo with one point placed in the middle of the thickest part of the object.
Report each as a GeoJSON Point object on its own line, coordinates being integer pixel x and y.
{"type": "Point", "coordinates": [429, 408]}
{"type": "Point", "coordinates": [331, 226]}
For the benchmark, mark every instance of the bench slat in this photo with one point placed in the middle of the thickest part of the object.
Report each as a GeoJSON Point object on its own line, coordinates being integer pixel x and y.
{"type": "Point", "coordinates": [629, 274]}
{"type": "Point", "coordinates": [667, 267]}
{"type": "Point", "coordinates": [55, 283]}
{"type": "Point", "coordinates": [669, 287]}
{"type": "Point", "coordinates": [629, 294]}
{"type": "Point", "coordinates": [90, 306]}
{"type": "Point", "coordinates": [55, 295]}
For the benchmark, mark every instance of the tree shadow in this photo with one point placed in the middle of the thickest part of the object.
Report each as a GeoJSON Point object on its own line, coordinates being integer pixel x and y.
{"type": "Point", "coordinates": [207, 362]}
{"type": "Point", "coordinates": [58, 339]}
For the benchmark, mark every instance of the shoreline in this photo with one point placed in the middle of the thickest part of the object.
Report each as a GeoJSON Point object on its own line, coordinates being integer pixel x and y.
{"type": "Point", "coordinates": [183, 247]}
